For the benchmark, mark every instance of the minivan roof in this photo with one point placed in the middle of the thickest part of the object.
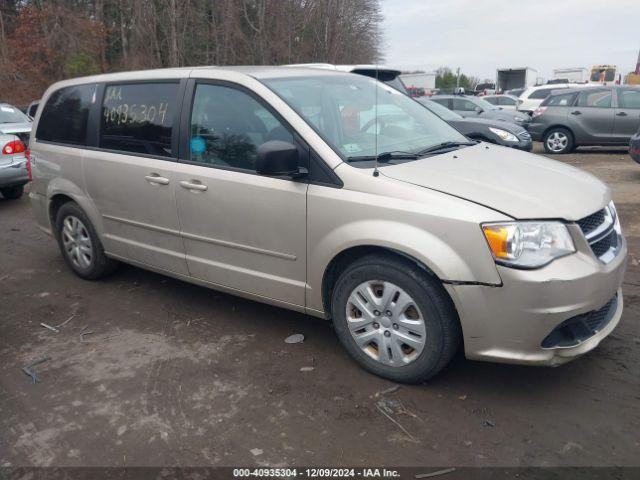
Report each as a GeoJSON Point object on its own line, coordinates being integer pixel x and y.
{"type": "Point", "coordinates": [255, 71]}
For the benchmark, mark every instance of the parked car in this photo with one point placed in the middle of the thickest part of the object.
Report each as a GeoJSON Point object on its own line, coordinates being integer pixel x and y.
{"type": "Point", "coordinates": [516, 92]}
{"type": "Point", "coordinates": [607, 115]}
{"type": "Point", "coordinates": [14, 142]}
{"type": "Point", "coordinates": [533, 97]}
{"type": "Point", "coordinates": [634, 147]}
{"type": "Point", "coordinates": [505, 102]}
{"type": "Point", "coordinates": [468, 106]}
{"type": "Point", "coordinates": [484, 88]}
{"type": "Point", "coordinates": [283, 186]}
{"type": "Point", "coordinates": [492, 131]}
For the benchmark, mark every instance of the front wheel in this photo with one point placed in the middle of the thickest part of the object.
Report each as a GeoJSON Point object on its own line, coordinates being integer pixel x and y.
{"type": "Point", "coordinates": [12, 193]}
{"type": "Point", "coordinates": [394, 319]}
{"type": "Point", "coordinates": [558, 141]}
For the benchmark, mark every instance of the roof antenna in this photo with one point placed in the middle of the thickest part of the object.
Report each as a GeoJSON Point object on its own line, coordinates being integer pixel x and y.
{"type": "Point", "coordinates": [375, 113]}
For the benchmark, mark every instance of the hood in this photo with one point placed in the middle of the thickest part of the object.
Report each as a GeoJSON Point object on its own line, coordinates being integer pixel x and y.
{"type": "Point", "coordinates": [487, 122]}
{"type": "Point", "coordinates": [519, 184]}
{"type": "Point", "coordinates": [11, 128]}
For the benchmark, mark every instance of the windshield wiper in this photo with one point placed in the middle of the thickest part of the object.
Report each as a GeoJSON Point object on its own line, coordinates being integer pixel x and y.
{"type": "Point", "coordinates": [385, 157]}
{"type": "Point", "coordinates": [445, 146]}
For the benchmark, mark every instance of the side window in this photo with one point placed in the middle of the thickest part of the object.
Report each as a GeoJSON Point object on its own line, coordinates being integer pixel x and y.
{"type": "Point", "coordinates": [442, 101]}
{"type": "Point", "coordinates": [138, 118]}
{"type": "Point", "coordinates": [492, 100]}
{"type": "Point", "coordinates": [560, 100]}
{"type": "Point", "coordinates": [628, 98]}
{"type": "Point", "coordinates": [594, 98]}
{"type": "Point", "coordinates": [65, 116]}
{"type": "Point", "coordinates": [506, 101]}
{"type": "Point", "coordinates": [463, 105]}
{"type": "Point", "coordinates": [228, 126]}
{"type": "Point", "coordinates": [542, 93]}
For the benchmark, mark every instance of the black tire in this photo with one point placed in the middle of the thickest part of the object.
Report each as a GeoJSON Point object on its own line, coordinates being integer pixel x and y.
{"type": "Point", "coordinates": [562, 148]}
{"type": "Point", "coordinates": [443, 332]}
{"type": "Point", "coordinates": [12, 193]}
{"type": "Point", "coordinates": [100, 265]}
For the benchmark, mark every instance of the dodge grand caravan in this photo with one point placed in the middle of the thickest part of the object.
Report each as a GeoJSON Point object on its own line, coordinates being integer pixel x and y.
{"type": "Point", "coordinates": [332, 194]}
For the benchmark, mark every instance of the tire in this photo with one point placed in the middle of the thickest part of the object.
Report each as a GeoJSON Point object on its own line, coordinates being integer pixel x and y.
{"type": "Point", "coordinates": [440, 332]}
{"type": "Point", "coordinates": [558, 141]}
{"type": "Point", "coordinates": [12, 193]}
{"type": "Point", "coordinates": [75, 235]}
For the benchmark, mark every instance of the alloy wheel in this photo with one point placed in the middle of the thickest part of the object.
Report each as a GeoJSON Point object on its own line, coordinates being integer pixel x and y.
{"type": "Point", "coordinates": [557, 141]}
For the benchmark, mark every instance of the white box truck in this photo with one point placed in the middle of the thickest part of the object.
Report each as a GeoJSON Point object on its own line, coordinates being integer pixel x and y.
{"type": "Point", "coordinates": [508, 78]}
{"type": "Point", "coordinates": [572, 75]}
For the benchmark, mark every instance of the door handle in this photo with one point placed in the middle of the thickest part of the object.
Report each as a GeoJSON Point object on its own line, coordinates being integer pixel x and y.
{"type": "Point", "coordinates": [193, 186]}
{"type": "Point", "coordinates": [621, 114]}
{"type": "Point", "coordinates": [157, 179]}
{"type": "Point", "coordinates": [576, 112]}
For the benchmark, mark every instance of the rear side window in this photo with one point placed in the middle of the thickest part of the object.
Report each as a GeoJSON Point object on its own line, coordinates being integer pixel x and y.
{"type": "Point", "coordinates": [463, 105]}
{"type": "Point", "coordinates": [506, 101]}
{"type": "Point", "coordinates": [492, 100]}
{"type": "Point", "coordinates": [563, 100]}
{"type": "Point", "coordinates": [442, 101]}
{"type": "Point", "coordinates": [65, 116]}
{"type": "Point", "coordinates": [594, 98]}
{"type": "Point", "coordinates": [138, 118]}
{"type": "Point", "coordinates": [542, 93]}
{"type": "Point", "coordinates": [629, 98]}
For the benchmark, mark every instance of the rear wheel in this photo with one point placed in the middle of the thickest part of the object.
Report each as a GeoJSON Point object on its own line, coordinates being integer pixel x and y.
{"type": "Point", "coordinates": [80, 245]}
{"type": "Point", "coordinates": [394, 319]}
{"type": "Point", "coordinates": [558, 141]}
{"type": "Point", "coordinates": [12, 193]}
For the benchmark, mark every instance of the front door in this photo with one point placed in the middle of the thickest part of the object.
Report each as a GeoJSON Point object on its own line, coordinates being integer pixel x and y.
{"type": "Point", "coordinates": [591, 118]}
{"type": "Point", "coordinates": [240, 229]}
{"type": "Point", "coordinates": [131, 177]}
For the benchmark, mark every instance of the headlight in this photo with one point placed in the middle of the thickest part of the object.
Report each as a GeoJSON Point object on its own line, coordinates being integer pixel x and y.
{"type": "Point", "coordinates": [504, 135]}
{"type": "Point", "coordinates": [528, 244]}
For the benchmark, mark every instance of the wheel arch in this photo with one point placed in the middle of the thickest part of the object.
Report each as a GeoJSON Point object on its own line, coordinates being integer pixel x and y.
{"type": "Point", "coordinates": [559, 125]}
{"type": "Point", "coordinates": [346, 257]}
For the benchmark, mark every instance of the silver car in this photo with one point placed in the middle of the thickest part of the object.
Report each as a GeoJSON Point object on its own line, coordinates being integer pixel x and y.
{"type": "Point", "coordinates": [570, 118]}
{"type": "Point", "coordinates": [477, 107]}
{"type": "Point", "coordinates": [335, 195]}
{"type": "Point", "coordinates": [15, 128]}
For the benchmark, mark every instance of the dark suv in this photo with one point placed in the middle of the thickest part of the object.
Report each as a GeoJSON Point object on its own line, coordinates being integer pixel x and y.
{"type": "Point", "coordinates": [569, 118]}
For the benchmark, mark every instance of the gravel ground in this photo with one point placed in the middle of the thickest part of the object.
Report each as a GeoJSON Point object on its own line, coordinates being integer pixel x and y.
{"type": "Point", "coordinates": [175, 374]}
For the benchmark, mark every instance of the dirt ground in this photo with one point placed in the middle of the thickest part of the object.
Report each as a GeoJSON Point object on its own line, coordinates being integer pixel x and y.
{"type": "Point", "coordinates": [175, 374]}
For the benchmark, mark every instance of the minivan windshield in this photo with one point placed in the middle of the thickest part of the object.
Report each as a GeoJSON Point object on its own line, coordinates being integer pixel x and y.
{"type": "Point", "coordinates": [9, 114]}
{"type": "Point", "coordinates": [343, 109]}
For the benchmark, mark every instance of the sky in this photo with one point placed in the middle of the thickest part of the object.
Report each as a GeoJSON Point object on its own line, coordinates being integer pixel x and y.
{"type": "Point", "coordinates": [480, 36]}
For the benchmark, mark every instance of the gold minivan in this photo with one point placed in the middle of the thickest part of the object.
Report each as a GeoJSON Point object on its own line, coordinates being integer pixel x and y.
{"type": "Point", "coordinates": [335, 195]}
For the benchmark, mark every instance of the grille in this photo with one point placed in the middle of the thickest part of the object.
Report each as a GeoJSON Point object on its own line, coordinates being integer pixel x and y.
{"type": "Point", "coordinates": [598, 319]}
{"type": "Point", "coordinates": [601, 233]}
{"type": "Point", "coordinates": [577, 329]}
{"type": "Point", "coordinates": [590, 223]}
{"type": "Point", "coordinates": [602, 246]}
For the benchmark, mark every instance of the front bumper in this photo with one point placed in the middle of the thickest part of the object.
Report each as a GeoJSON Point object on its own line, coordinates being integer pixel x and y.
{"type": "Point", "coordinates": [14, 173]}
{"type": "Point", "coordinates": [508, 324]}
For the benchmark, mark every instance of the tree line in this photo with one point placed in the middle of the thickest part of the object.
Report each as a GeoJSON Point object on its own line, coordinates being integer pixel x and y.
{"type": "Point", "coordinates": [42, 41]}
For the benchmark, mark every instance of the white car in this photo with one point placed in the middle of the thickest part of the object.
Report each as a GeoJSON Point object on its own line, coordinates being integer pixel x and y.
{"type": "Point", "coordinates": [504, 102]}
{"type": "Point", "coordinates": [532, 97]}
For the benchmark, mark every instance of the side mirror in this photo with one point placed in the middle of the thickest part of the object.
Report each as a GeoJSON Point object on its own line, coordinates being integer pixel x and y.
{"type": "Point", "coordinates": [277, 158]}
{"type": "Point", "coordinates": [478, 110]}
